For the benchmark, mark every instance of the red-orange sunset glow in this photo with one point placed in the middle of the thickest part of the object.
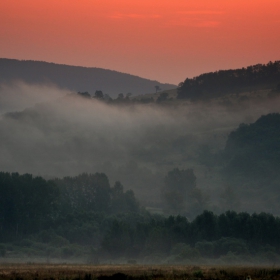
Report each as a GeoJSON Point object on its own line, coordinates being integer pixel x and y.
{"type": "Point", "coordinates": [163, 40]}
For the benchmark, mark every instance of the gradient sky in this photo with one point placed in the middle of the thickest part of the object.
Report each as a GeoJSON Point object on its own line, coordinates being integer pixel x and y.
{"type": "Point", "coordinates": [166, 40]}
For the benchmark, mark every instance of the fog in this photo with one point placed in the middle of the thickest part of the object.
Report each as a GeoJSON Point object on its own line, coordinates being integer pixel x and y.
{"type": "Point", "coordinates": [19, 95]}
{"type": "Point", "coordinates": [53, 133]}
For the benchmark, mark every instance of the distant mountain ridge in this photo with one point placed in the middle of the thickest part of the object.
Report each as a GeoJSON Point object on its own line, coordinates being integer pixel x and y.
{"type": "Point", "coordinates": [76, 78]}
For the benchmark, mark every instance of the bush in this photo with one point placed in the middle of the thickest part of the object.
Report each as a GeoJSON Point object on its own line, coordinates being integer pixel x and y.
{"type": "Point", "coordinates": [182, 251]}
{"type": "Point", "coordinates": [198, 274]}
{"type": "Point", "coordinates": [230, 258]}
{"type": "Point", "coordinates": [58, 241]}
{"type": "Point", "coordinates": [271, 256]}
{"type": "Point", "coordinates": [228, 244]}
{"type": "Point", "coordinates": [205, 248]}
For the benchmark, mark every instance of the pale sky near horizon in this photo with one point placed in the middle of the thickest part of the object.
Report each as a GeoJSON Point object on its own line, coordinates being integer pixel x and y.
{"type": "Point", "coordinates": [157, 39]}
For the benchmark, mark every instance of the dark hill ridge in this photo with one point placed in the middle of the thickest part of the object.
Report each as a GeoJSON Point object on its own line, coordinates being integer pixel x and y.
{"type": "Point", "coordinates": [253, 150]}
{"type": "Point", "coordinates": [223, 82]}
{"type": "Point", "coordinates": [76, 78]}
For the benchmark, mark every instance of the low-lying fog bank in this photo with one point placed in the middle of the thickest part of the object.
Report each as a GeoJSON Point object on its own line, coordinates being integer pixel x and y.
{"type": "Point", "coordinates": [54, 133]}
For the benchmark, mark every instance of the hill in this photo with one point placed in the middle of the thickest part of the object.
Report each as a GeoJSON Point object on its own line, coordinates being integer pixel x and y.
{"type": "Point", "coordinates": [224, 87]}
{"type": "Point", "coordinates": [224, 82]}
{"type": "Point", "coordinates": [253, 150]}
{"type": "Point", "coordinates": [76, 78]}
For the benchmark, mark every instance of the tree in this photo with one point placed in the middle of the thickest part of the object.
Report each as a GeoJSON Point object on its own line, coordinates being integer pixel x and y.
{"type": "Point", "coordinates": [178, 188]}
{"type": "Point", "coordinates": [157, 88]}
{"type": "Point", "coordinates": [229, 199]}
{"type": "Point", "coordinates": [86, 192]}
{"type": "Point", "coordinates": [84, 94]}
{"type": "Point", "coordinates": [123, 201]}
{"type": "Point", "coordinates": [183, 180]}
{"type": "Point", "coordinates": [107, 97]}
{"type": "Point", "coordinates": [205, 227]}
{"type": "Point", "coordinates": [162, 97]}
{"type": "Point", "coordinates": [26, 202]}
{"type": "Point", "coordinates": [99, 94]}
{"type": "Point", "coordinates": [120, 96]}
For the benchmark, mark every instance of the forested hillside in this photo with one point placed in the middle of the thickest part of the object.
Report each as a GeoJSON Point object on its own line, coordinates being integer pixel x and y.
{"type": "Point", "coordinates": [253, 150]}
{"type": "Point", "coordinates": [223, 82]}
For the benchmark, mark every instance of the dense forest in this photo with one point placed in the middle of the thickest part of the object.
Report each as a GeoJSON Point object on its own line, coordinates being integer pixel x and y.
{"type": "Point", "coordinates": [223, 82]}
{"type": "Point", "coordinates": [253, 150]}
{"type": "Point", "coordinates": [83, 217]}
{"type": "Point", "coordinates": [251, 160]}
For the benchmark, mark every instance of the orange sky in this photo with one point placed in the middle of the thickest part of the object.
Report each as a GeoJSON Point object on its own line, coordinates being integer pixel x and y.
{"type": "Point", "coordinates": [167, 40]}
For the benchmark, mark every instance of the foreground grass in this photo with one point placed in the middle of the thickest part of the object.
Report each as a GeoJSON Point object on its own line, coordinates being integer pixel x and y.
{"type": "Point", "coordinates": [134, 272]}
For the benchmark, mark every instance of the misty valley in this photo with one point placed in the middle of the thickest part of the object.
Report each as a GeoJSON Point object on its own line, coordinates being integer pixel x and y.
{"type": "Point", "coordinates": [179, 176]}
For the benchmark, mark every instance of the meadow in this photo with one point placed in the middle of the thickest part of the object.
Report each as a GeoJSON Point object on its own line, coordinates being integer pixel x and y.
{"type": "Point", "coordinates": [137, 272]}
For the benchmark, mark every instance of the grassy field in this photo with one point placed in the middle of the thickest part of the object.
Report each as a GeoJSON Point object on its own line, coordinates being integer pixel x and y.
{"type": "Point", "coordinates": [137, 272]}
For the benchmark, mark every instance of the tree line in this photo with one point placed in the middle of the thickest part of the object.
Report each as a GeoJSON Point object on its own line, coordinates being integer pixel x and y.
{"type": "Point", "coordinates": [208, 235]}
{"type": "Point", "coordinates": [85, 210]}
{"type": "Point", "coordinates": [29, 204]}
{"type": "Point", "coordinates": [125, 98]}
{"type": "Point", "coordinates": [219, 83]}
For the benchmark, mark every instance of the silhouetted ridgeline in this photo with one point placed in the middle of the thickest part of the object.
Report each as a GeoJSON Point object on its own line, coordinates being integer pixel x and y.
{"type": "Point", "coordinates": [76, 78]}
{"type": "Point", "coordinates": [216, 84]}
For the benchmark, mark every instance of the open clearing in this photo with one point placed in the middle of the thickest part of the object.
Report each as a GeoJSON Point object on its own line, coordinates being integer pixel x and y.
{"type": "Point", "coordinates": [131, 272]}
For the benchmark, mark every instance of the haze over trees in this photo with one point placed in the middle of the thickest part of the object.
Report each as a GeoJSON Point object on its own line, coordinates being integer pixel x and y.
{"type": "Point", "coordinates": [252, 150]}
{"type": "Point", "coordinates": [62, 218]}
{"type": "Point", "coordinates": [157, 179]}
{"type": "Point", "coordinates": [180, 194]}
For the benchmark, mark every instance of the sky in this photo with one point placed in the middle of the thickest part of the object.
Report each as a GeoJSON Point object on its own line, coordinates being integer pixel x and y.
{"type": "Point", "coordinates": [162, 40]}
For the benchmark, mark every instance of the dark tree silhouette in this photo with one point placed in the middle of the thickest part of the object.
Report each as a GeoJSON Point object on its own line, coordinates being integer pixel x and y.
{"type": "Point", "coordinates": [99, 94]}
{"type": "Point", "coordinates": [157, 88]}
{"type": "Point", "coordinates": [84, 94]}
{"type": "Point", "coordinates": [162, 97]}
{"type": "Point", "coordinates": [178, 187]}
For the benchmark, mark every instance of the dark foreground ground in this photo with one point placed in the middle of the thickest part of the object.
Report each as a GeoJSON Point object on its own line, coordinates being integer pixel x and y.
{"type": "Point", "coordinates": [134, 272]}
